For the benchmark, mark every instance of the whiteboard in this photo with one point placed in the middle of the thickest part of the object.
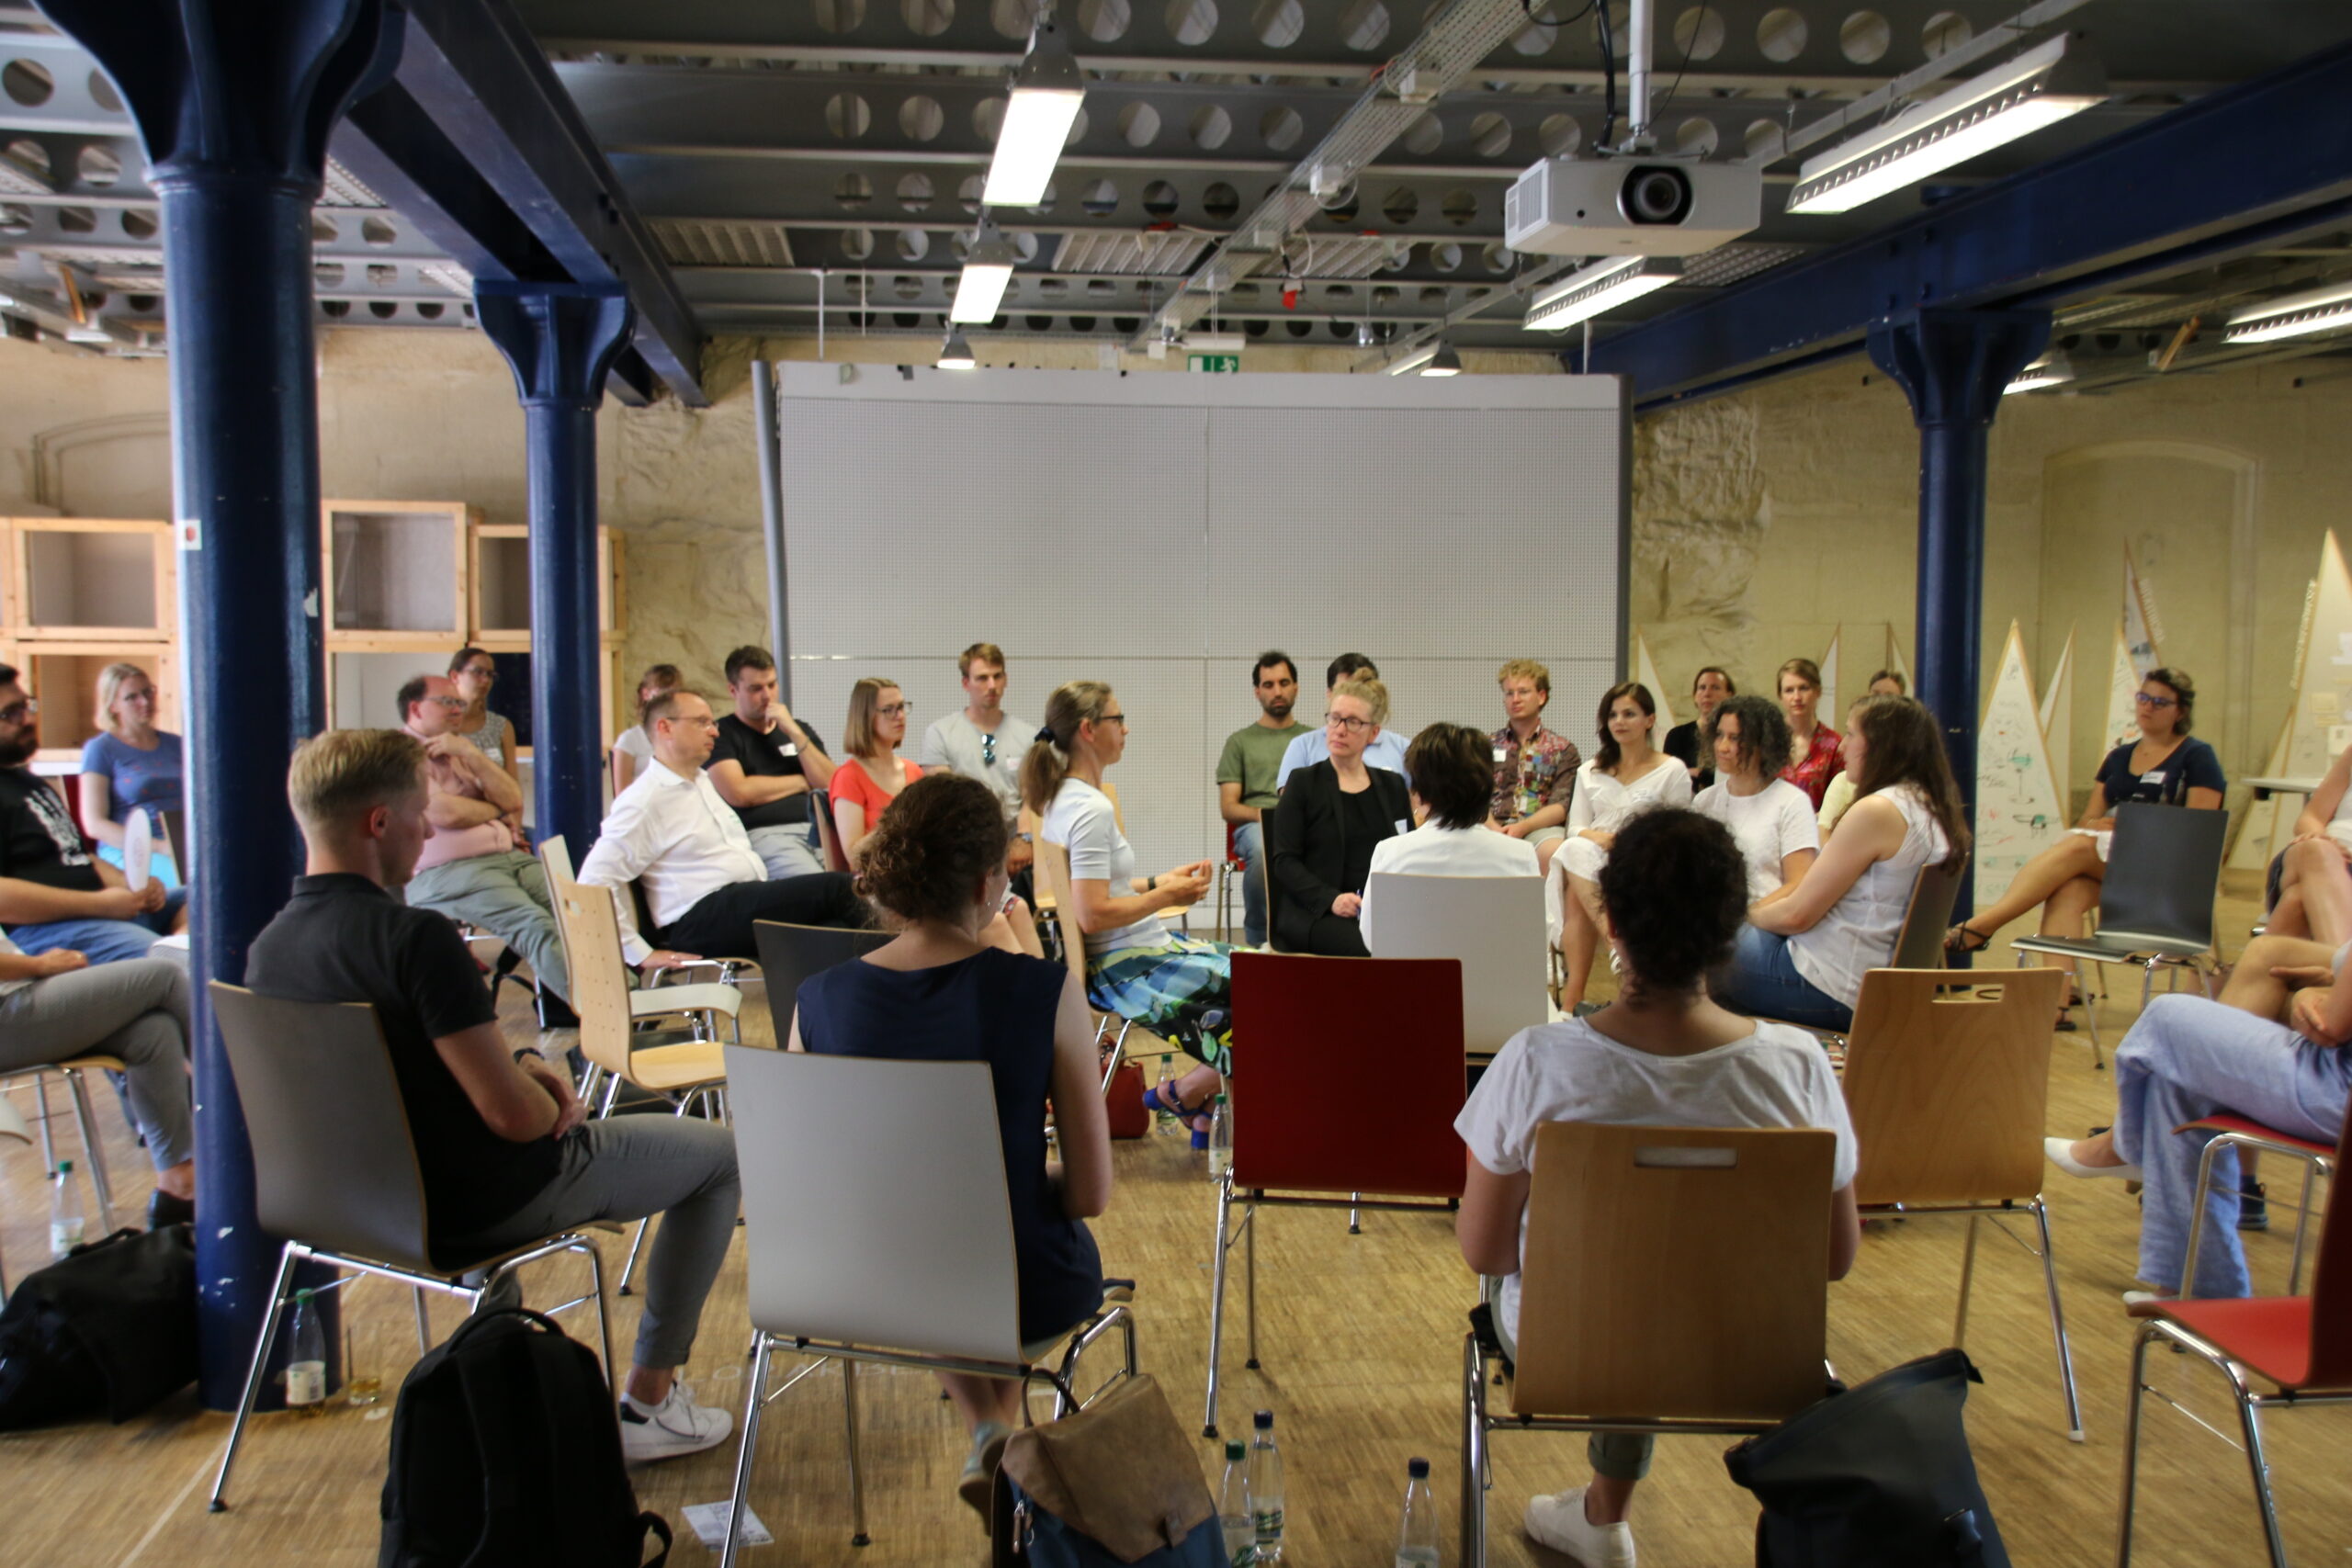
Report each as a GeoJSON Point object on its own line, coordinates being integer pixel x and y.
{"type": "Point", "coordinates": [1158, 531]}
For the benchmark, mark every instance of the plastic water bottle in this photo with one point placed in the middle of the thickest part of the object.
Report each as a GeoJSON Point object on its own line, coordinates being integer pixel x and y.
{"type": "Point", "coordinates": [306, 1360]}
{"type": "Point", "coordinates": [1266, 1489]}
{"type": "Point", "coordinates": [1416, 1533]}
{"type": "Point", "coordinates": [1233, 1521]}
{"type": "Point", "coordinates": [1163, 1091]}
{"type": "Point", "coordinates": [1220, 1139]}
{"type": "Point", "coordinates": [64, 1211]}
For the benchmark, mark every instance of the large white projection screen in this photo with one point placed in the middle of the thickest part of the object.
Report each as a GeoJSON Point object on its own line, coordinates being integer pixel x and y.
{"type": "Point", "coordinates": [1157, 530]}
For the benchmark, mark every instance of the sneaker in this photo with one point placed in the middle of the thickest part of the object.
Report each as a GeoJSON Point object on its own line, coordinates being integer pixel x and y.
{"type": "Point", "coordinates": [676, 1425]}
{"type": "Point", "coordinates": [1559, 1523]}
{"type": "Point", "coordinates": [2254, 1207]}
{"type": "Point", "coordinates": [977, 1485]}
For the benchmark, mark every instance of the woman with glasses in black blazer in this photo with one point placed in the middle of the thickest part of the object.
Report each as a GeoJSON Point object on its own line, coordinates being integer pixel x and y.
{"type": "Point", "coordinates": [1319, 845]}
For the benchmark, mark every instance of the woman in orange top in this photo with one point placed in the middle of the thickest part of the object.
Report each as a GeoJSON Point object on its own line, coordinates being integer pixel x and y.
{"type": "Point", "coordinates": [1812, 756]}
{"type": "Point", "coordinates": [871, 776]}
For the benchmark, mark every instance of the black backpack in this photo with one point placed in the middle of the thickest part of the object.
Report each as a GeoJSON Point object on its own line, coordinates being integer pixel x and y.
{"type": "Point", "coordinates": [111, 1327]}
{"type": "Point", "coordinates": [1875, 1476]}
{"type": "Point", "coordinates": [506, 1454]}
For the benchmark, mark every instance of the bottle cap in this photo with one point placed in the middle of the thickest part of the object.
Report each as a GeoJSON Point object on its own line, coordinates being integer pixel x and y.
{"type": "Point", "coordinates": [65, 1168]}
{"type": "Point", "coordinates": [1263, 1420]}
{"type": "Point", "coordinates": [302, 1298]}
{"type": "Point", "coordinates": [1418, 1468]}
{"type": "Point", "coordinates": [1235, 1449]}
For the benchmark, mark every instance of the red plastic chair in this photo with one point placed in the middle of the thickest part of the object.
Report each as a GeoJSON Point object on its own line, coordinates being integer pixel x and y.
{"type": "Point", "coordinates": [2301, 1345]}
{"type": "Point", "coordinates": [1299, 1024]}
{"type": "Point", "coordinates": [1228, 871]}
{"type": "Point", "coordinates": [2234, 1131]}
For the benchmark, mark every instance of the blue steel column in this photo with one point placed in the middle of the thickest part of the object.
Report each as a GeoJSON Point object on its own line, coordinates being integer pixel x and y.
{"type": "Point", "coordinates": [560, 339]}
{"type": "Point", "coordinates": [234, 104]}
{"type": "Point", "coordinates": [1954, 366]}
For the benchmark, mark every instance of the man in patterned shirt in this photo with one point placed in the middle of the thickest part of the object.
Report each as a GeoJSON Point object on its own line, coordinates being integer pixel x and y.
{"type": "Point", "coordinates": [1535, 770]}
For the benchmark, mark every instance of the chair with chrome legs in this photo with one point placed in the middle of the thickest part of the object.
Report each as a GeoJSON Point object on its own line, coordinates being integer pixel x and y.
{"type": "Point", "coordinates": [1633, 1234]}
{"type": "Point", "coordinates": [2232, 1131]}
{"type": "Point", "coordinates": [74, 1070]}
{"type": "Point", "coordinates": [555, 857]}
{"type": "Point", "coordinates": [1493, 925]}
{"type": "Point", "coordinates": [1053, 871]}
{"type": "Point", "coordinates": [1950, 1093]}
{"type": "Point", "coordinates": [857, 1252]}
{"type": "Point", "coordinates": [335, 1170]}
{"type": "Point", "coordinates": [2301, 1345]}
{"type": "Point", "coordinates": [1393, 1022]}
{"type": "Point", "coordinates": [790, 953]}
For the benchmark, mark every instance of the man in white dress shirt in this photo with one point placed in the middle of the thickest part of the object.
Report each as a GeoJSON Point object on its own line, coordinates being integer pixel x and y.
{"type": "Point", "coordinates": [704, 882]}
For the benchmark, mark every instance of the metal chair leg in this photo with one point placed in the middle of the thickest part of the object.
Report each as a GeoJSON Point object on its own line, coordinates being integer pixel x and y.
{"type": "Point", "coordinates": [857, 1481]}
{"type": "Point", "coordinates": [1249, 1277]}
{"type": "Point", "coordinates": [91, 1148]}
{"type": "Point", "coordinates": [2131, 1445]}
{"type": "Point", "coordinates": [286, 1258]}
{"type": "Point", "coordinates": [753, 1403]}
{"type": "Point", "coordinates": [604, 1313]}
{"type": "Point", "coordinates": [424, 1323]}
{"type": "Point", "coordinates": [1967, 1278]}
{"type": "Point", "coordinates": [628, 1269]}
{"type": "Point", "coordinates": [1355, 1220]}
{"type": "Point", "coordinates": [1474, 1454]}
{"type": "Point", "coordinates": [1217, 1297]}
{"type": "Point", "coordinates": [2058, 1325]}
{"type": "Point", "coordinates": [48, 1139]}
{"type": "Point", "coordinates": [2251, 1419]}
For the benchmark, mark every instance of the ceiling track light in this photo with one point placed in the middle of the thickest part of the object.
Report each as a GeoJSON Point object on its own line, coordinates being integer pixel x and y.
{"type": "Point", "coordinates": [987, 269]}
{"type": "Point", "coordinates": [1046, 93]}
{"type": "Point", "coordinates": [2052, 369]}
{"type": "Point", "coordinates": [1592, 290]}
{"type": "Point", "coordinates": [1445, 363]}
{"type": "Point", "coordinates": [1416, 359]}
{"type": "Point", "coordinates": [956, 353]}
{"type": "Point", "coordinates": [2313, 311]}
{"type": "Point", "coordinates": [2045, 85]}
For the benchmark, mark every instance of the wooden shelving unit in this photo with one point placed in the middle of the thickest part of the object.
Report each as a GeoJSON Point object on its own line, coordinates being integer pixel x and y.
{"type": "Point", "coordinates": [76, 594]}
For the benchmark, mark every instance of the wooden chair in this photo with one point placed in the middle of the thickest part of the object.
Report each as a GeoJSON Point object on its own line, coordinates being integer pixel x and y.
{"type": "Point", "coordinates": [2300, 1345]}
{"type": "Point", "coordinates": [1309, 1020]}
{"type": "Point", "coordinates": [1630, 1319]}
{"type": "Point", "coordinates": [1918, 943]}
{"type": "Point", "coordinates": [829, 836]}
{"type": "Point", "coordinates": [74, 1070]}
{"type": "Point", "coordinates": [12, 1126]}
{"type": "Point", "coordinates": [1493, 925]}
{"type": "Point", "coordinates": [1950, 1093]}
{"type": "Point", "coordinates": [1053, 872]}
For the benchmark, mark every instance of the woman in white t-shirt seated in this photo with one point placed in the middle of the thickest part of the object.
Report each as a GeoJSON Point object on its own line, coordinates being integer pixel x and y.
{"type": "Point", "coordinates": [1769, 818]}
{"type": "Point", "coordinates": [1626, 775]}
{"type": "Point", "coordinates": [1173, 984]}
{"type": "Point", "coordinates": [1450, 770]}
{"type": "Point", "coordinates": [1805, 948]}
{"type": "Point", "coordinates": [1662, 1054]}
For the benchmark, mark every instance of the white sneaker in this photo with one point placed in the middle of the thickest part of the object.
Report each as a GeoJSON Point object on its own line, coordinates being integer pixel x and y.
{"type": "Point", "coordinates": [1559, 1523]}
{"type": "Point", "coordinates": [676, 1425]}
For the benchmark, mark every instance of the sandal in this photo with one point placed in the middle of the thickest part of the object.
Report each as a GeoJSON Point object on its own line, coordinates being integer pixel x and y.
{"type": "Point", "coordinates": [1172, 1104]}
{"type": "Point", "coordinates": [1965, 938]}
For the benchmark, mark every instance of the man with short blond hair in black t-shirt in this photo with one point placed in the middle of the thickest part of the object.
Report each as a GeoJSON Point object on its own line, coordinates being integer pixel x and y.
{"type": "Point", "coordinates": [502, 1141]}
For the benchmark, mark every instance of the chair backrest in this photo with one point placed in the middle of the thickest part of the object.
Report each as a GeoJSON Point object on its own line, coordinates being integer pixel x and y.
{"type": "Point", "coordinates": [591, 931]}
{"type": "Point", "coordinates": [2163, 870]}
{"type": "Point", "coordinates": [2331, 1365]}
{"type": "Point", "coordinates": [1493, 924]}
{"type": "Point", "coordinates": [790, 953]}
{"type": "Point", "coordinates": [1949, 1089]}
{"type": "Point", "coordinates": [1314, 1021]}
{"type": "Point", "coordinates": [1268, 889]}
{"type": "Point", "coordinates": [176, 842]}
{"type": "Point", "coordinates": [556, 855]}
{"type": "Point", "coordinates": [874, 1203]}
{"type": "Point", "coordinates": [1675, 1272]}
{"type": "Point", "coordinates": [829, 838]}
{"type": "Point", "coordinates": [1920, 944]}
{"type": "Point", "coordinates": [334, 1161]}
{"type": "Point", "coordinates": [1053, 868]}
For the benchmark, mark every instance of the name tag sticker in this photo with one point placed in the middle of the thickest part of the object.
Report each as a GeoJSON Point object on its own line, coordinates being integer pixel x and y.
{"type": "Point", "coordinates": [2155, 778]}
{"type": "Point", "coordinates": [1403, 826]}
{"type": "Point", "coordinates": [1500, 754]}
{"type": "Point", "coordinates": [791, 749]}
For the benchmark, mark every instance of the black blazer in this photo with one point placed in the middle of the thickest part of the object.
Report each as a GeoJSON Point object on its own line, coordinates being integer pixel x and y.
{"type": "Point", "coordinates": [1306, 853]}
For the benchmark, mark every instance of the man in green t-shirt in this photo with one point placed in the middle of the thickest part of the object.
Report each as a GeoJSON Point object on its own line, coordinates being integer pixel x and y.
{"type": "Point", "coordinates": [1247, 777]}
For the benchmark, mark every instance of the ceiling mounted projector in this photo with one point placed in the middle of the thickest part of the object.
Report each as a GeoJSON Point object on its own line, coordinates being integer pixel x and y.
{"type": "Point", "coordinates": [1630, 206]}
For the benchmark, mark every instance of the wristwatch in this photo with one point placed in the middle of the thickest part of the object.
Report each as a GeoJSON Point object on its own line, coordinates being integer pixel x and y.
{"type": "Point", "coordinates": [1025, 838]}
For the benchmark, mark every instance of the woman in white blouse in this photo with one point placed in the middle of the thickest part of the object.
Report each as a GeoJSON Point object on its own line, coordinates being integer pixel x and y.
{"type": "Point", "coordinates": [1626, 775]}
{"type": "Point", "coordinates": [1769, 818]}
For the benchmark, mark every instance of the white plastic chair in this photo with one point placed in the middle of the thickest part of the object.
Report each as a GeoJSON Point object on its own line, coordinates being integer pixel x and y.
{"type": "Point", "coordinates": [877, 1228]}
{"type": "Point", "coordinates": [1493, 924]}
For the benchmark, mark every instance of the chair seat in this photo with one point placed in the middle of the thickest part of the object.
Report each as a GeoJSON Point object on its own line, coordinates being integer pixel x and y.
{"type": "Point", "coordinates": [2117, 947]}
{"type": "Point", "coordinates": [665, 1067]}
{"type": "Point", "coordinates": [2228, 1122]}
{"type": "Point", "coordinates": [653, 1000]}
{"type": "Point", "coordinates": [2271, 1334]}
{"type": "Point", "coordinates": [91, 1063]}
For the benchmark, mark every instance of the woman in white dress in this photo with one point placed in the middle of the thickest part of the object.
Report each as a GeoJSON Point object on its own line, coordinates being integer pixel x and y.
{"type": "Point", "coordinates": [1626, 775]}
{"type": "Point", "coordinates": [1769, 818]}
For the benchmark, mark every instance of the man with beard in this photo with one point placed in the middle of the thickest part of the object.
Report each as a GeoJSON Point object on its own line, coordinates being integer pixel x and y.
{"type": "Point", "coordinates": [54, 893]}
{"type": "Point", "coordinates": [1248, 775]}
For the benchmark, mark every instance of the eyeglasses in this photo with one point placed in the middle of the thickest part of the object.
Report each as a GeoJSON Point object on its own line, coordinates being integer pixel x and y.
{"type": "Point", "coordinates": [987, 748]}
{"type": "Point", "coordinates": [448, 702]}
{"type": "Point", "coordinates": [1353, 726]}
{"type": "Point", "coordinates": [895, 710]}
{"type": "Point", "coordinates": [16, 713]}
{"type": "Point", "coordinates": [487, 672]}
{"type": "Point", "coordinates": [2142, 698]}
{"type": "Point", "coordinates": [1118, 718]}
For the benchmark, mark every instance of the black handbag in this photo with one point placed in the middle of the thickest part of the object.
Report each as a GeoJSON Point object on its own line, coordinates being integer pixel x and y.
{"type": "Point", "coordinates": [1874, 1476]}
{"type": "Point", "coordinates": [110, 1326]}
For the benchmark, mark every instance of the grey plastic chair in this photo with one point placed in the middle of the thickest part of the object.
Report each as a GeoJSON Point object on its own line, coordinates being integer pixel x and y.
{"type": "Point", "coordinates": [335, 1171]}
{"type": "Point", "coordinates": [2155, 906]}
{"type": "Point", "coordinates": [790, 953]}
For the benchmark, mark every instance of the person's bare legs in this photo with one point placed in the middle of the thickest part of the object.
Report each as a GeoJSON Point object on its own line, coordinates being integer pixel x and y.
{"type": "Point", "coordinates": [1579, 938]}
{"type": "Point", "coordinates": [2072, 856]}
{"type": "Point", "coordinates": [2067, 910]}
{"type": "Point", "coordinates": [1543, 853]}
{"type": "Point", "coordinates": [1607, 1500]}
{"type": "Point", "coordinates": [983, 1400]}
{"type": "Point", "coordinates": [2315, 871]}
{"type": "Point", "coordinates": [2286, 917]}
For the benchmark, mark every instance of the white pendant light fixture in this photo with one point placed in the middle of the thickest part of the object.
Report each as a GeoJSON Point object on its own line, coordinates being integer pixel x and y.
{"type": "Point", "coordinates": [1590, 291]}
{"type": "Point", "coordinates": [2293, 315]}
{"type": "Point", "coordinates": [2044, 86]}
{"type": "Point", "coordinates": [988, 268]}
{"type": "Point", "coordinates": [1046, 93]}
{"type": "Point", "coordinates": [956, 353]}
{"type": "Point", "coordinates": [1444, 362]}
{"type": "Point", "coordinates": [2052, 369]}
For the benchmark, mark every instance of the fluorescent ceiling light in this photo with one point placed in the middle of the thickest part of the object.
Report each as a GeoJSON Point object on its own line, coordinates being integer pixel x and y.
{"type": "Point", "coordinates": [1416, 359]}
{"type": "Point", "coordinates": [2052, 369]}
{"type": "Point", "coordinates": [1445, 362]}
{"type": "Point", "coordinates": [956, 353]}
{"type": "Point", "coordinates": [988, 268]}
{"type": "Point", "coordinates": [1046, 91]}
{"type": "Point", "coordinates": [2293, 315]}
{"type": "Point", "coordinates": [2040, 87]}
{"type": "Point", "coordinates": [1590, 291]}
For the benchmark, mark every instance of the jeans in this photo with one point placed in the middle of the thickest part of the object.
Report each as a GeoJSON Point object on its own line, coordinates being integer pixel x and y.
{"type": "Point", "coordinates": [102, 941]}
{"type": "Point", "coordinates": [2187, 1057]}
{"type": "Point", "coordinates": [787, 850]}
{"type": "Point", "coordinates": [1249, 848]}
{"type": "Point", "coordinates": [719, 926]}
{"type": "Point", "coordinates": [505, 893]}
{"type": "Point", "coordinates": [1761, 981]}
{"type": "Point", "coordinates": [626, 1169]}
{"type": "Point", "coordinates": [136, 1010]}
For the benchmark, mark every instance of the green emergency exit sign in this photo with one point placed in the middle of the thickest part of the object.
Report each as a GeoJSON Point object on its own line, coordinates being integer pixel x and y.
{"type": "Point", "coordinates": [1214, 364]}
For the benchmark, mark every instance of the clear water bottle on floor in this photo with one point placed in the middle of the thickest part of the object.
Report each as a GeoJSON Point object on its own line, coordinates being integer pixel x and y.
{"type": "Point", "coordinates": [306, 1359]}
{"type": "Point", "coordinates": [64, 1211]}
{"type": "Point", "coordinates": [1266, 1488]}
{"type": "Point", "coordinates": [1416, 1532]}
{"type": "Point", "coordinates": [1220, 1138]}
{"type": "Point", "coordinates": [1163, 1091]}
{"type": "Point", "coordinates": [1233, 1520]}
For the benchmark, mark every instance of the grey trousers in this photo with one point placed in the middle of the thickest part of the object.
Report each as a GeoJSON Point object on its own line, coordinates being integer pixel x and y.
{"type": "Point", "coordinates": [135, 1009]}
{"type": "Point", "coordinates": [787, 850]}
{"type": "Point", "coordinates": [506, 894]}
{"type": "Point", "coordinates": [626, 1168]}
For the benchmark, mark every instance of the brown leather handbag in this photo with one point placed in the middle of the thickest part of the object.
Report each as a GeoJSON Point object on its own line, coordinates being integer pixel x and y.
{"type": "Point", "coordinates": [1117, 1478]}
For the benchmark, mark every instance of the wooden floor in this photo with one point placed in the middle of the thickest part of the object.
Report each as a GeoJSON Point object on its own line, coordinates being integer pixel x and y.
{"type": "Point", "coordinates": [1361, 1346]}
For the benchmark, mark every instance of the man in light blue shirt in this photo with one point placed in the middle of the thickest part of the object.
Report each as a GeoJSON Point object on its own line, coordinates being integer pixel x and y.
{"type": "Point", "coordinates": [1309, 749]}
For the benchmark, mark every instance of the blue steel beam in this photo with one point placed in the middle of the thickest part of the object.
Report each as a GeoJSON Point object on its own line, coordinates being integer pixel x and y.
{"type": "Point", "coordinates": [2248, 158]}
